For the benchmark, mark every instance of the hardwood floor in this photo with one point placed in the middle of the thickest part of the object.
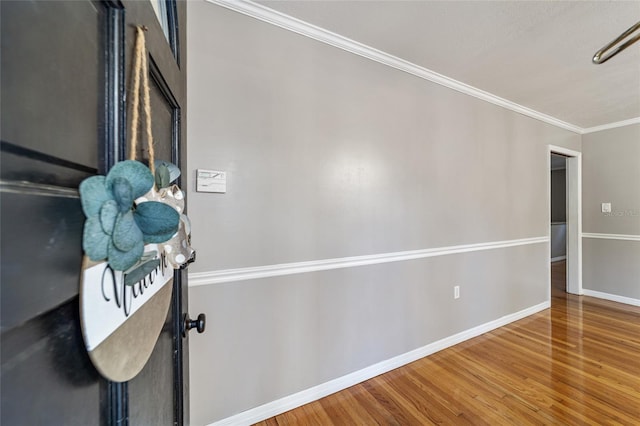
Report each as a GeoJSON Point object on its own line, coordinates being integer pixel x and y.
{"type": "Point", "coordinates": [577, 363]}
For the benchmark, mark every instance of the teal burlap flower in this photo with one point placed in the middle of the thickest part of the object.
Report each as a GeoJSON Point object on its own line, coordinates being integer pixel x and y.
{"type": "Point", "coordinates": [116, 228]}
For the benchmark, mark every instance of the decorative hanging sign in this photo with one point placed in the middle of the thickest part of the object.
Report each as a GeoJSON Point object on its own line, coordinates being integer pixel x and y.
{"type": "Point", "coordinates": [121, 323]}
{"type": "Point", "coordinates": [135, 235]}
{"type": "Point", "coordinates": [113, 301]}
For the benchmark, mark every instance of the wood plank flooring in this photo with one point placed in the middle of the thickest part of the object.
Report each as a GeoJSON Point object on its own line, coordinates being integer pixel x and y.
{"type": "Point", "coordinates": [577, 363]}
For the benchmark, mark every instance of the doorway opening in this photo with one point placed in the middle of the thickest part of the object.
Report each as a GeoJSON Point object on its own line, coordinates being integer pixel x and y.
{"type": "Point", "coordinates": [565, 230]}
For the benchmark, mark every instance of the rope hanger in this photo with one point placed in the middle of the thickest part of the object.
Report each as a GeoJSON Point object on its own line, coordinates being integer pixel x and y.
{"type": "Point", "coordinates": [141, 71]}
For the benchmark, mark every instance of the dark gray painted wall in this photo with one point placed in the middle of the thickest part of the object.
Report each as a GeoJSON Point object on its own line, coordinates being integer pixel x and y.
{"type": "Point", "coordinates": [558, 240]}
{"type": "Point", "coordinates": [558, 196]}
{"type": "Point", "coordinates": [558, 210]}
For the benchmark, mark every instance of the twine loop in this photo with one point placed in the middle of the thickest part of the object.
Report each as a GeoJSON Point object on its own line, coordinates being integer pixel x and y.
{"type": "Point", "coordinates": [141, 72]}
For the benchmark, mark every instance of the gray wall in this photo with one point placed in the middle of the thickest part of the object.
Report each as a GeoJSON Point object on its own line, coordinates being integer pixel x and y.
{"type": "Point", "coordinates": [558, 213]}
{"type": "Point", "coordinates": [331, 155]}
{"type": "Point", "coordinates": [558, 196]}
{"type": "Point", "coordinates": [558, 240]}
{"type": "Point", "coordinates": [611, 173]}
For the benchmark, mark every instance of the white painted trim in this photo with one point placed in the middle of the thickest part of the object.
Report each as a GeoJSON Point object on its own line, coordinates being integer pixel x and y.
{"type": "Point", "coordinates": [612, 125]}
{"type": "Point", "coordinates": [290, 402]}
{"type": "Point", "coordinates": [558, 258]}
{"type": "Point", "coordinates": [611, 236]}
{"type": "Point", "coordinates": [242, 274]}
{"type": "Point", "coordinates": [612, 297]}
{"type": "Point", "coordinates": [573, 216]}
{"type": "Point", "coordinates": [574, 223]}
{"type": "Point", "coordinates": [303, 28]}
{"type": "Point", "coordinates": [548, 219]}
{"type": "Point", "coordinates": [554, 149]}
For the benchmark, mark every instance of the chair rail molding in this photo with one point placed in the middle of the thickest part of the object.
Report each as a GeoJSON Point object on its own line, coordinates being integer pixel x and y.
{"type": "Point", "coordinates": [243, 274]}
{"type": "Point", "coordinates": [623, 237]}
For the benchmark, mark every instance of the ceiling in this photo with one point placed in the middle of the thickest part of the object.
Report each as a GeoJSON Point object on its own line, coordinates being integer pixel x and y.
{"type": "Point", "coordinates": [534, 53]}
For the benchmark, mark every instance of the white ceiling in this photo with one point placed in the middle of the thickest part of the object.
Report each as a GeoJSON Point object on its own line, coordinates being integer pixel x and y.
{"type": "Point", "coordinates": [534, 53]}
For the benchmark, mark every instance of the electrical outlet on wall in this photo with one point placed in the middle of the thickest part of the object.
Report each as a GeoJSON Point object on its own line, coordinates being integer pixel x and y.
{"type": "Point", "coordinates": [456, 292]}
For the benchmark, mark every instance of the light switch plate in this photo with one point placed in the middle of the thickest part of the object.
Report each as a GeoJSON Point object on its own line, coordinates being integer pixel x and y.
{"type": "Point", "coordinates": [606, 207]}
{"type": "Point", "coordinates": [211, 181]}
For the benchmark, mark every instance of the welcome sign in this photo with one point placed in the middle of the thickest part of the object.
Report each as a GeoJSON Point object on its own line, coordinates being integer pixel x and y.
{"type": "Point", "coordinates": [121, 322]}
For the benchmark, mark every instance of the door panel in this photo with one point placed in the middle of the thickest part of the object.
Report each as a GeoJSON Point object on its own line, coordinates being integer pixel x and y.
{"type": "Point", "coordinates": [62, 65]}
{"type": "Point", "coordinates": [163, 125]}
{"type": "Point", "coordinates": [51, 134]}
{"type": "Point", "coordinates": [156, 394]}
{"type": "Point", "coordinates": [151, 399]}
{"type": "Point", "coordinates": [64, 119]}
{"type": "Point", "coordinates": [48, 353]}
{"type": "Point", "coordinates": [159, 405]}
{"type": "Point", "coordinates": [40, 251]}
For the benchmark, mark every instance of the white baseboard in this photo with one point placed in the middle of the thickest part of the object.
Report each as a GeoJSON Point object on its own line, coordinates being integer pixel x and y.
{"type": "Point", "coordinates": [612, 297]}
{"type": "Point", "coordinates": [298, 399]}
{"type": "Point", "coordinates": [558, 258]}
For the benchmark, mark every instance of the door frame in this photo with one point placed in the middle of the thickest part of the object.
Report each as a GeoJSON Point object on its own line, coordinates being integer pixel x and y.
{"type": "Point", "coordinates": [573, 217]}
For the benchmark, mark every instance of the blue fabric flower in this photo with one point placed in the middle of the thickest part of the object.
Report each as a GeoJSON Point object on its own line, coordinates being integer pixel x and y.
{"type": "Point", "coordinates": [116, 229]}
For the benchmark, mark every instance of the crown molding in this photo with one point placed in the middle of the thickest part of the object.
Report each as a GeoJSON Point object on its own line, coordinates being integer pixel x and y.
{"type": "Point", "coordinates": [298, 26]}
{"type": "Point", "coordinates": [615, 125]}
{"type": "Point", "coordinates": [279, 19]}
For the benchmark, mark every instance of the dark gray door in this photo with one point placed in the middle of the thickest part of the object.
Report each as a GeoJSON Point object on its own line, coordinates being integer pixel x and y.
{"type": "Point", "coordinates": [65, 69]}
